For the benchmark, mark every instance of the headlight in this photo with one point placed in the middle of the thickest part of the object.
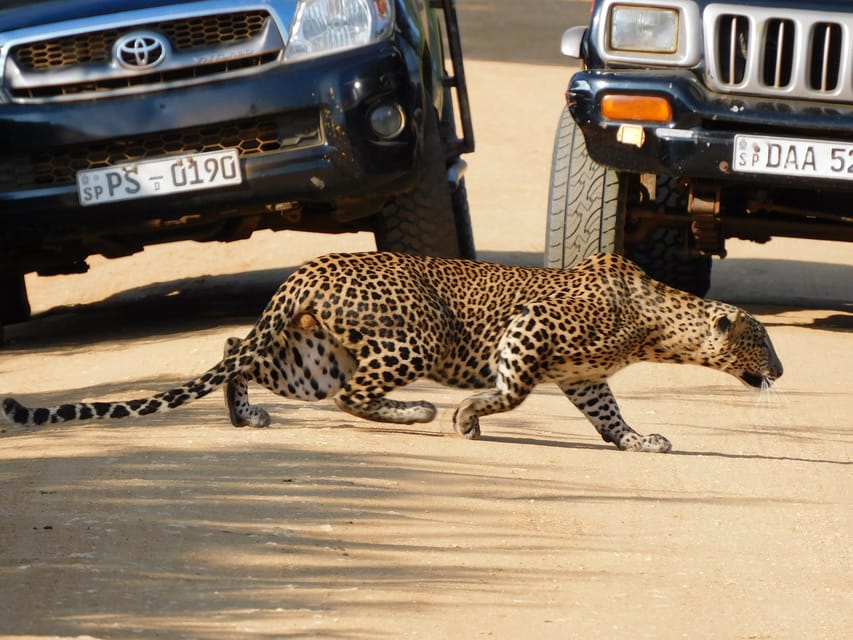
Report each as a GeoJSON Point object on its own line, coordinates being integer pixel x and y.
{"type": "Point", "coordinates": [644, 29]}
{"type": "Point", "coordinates": [327, 26]}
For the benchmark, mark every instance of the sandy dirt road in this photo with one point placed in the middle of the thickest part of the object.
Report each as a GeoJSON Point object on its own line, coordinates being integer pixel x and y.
{"type": "Point", "coordinates": [324, 526]}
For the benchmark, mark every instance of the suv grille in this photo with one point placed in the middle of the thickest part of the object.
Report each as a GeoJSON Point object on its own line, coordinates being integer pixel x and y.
{"type": "Point", "coordinates": [200, 48]}
{"type": "Point", "coordinates": [805, 54]}
{"type": "Point", "coordinates": [252, 137]}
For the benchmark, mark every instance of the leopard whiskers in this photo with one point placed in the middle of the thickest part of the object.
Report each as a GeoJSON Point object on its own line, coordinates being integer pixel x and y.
{"type": "Point", "coordinates": [770, 395]}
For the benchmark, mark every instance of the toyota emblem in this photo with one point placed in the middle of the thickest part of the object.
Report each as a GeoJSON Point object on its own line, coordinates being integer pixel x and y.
{"type": "Point", "coordinates": [140, 51]}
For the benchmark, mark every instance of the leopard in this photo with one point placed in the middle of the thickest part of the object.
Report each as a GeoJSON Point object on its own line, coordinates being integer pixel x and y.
{"type": "Point", "coordinates": [353, 327]}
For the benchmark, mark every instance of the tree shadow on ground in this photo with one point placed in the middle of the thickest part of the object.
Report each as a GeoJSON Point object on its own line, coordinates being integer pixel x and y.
{"type": "Point", "coordinates": [241, 536]}
{"type": "Point", "coordinates": [171, 529]}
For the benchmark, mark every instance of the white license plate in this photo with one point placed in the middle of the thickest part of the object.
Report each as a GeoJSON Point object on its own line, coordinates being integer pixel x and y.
{"type": "Point", "coordinates": [159, 177]}
{"type": "Point", "coordinates": [793, 157]}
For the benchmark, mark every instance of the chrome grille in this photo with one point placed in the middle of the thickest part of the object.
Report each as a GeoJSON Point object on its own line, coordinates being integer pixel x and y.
{"type": "Point", "coordinates": [733, 45]}
{"type": "Point", "coordinates": [252, 137]}
{"type": "Point", "coordinates": [805, 54]}
{"type": "Point", "coordinates": [130, 81]}
{"type": "Point", "coordinates": [184, 35]}
{"type": "Point", "coordinates": [200, 48]}
{"type": "Point", "coordinates": [826, 56]}
{"type": "Point", "coordinates": [778, 53]}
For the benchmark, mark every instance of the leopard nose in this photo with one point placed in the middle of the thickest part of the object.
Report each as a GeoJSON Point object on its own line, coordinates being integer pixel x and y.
{"type": "Point", "coordinates": [775, 370]}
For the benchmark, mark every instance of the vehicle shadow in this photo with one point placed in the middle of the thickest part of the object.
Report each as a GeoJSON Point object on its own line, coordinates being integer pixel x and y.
{"type": "Point", "coordinates": [162, 308]}
{"type": "Point", "coordinates": [786, 284]}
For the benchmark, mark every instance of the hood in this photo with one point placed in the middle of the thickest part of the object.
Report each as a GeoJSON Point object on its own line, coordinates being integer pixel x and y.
{"type": "Point", "coordinates": [19, 14]}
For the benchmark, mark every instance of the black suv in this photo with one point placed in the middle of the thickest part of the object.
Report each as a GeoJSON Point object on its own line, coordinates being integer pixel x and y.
{"type": "Point", "coordinates": [694, 121]}
{"type": "Point", "coordinates": [125, 124]}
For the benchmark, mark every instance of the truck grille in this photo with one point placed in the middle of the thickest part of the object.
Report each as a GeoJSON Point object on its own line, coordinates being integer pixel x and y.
{"type": "Point", "coordinates": [97, 46]}
{"type": "Point", "coordinates": [83, 65]}
{"type": "Point", "coordinates": [252, 137]}
{"type": "Point", "coordinates": [169, 77]}
{"type": "Point", "coordinates": [805, 54]}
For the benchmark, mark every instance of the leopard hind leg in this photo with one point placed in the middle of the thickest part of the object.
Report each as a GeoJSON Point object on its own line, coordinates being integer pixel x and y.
{"type": "Point", "coordinates": [241, 412]}
{"type": "Point", "coordinates": [364, 393]}
{"type": "Point", "coordinates": [379, 409]}
{"type": "Point", "coordinates": [305, 361]}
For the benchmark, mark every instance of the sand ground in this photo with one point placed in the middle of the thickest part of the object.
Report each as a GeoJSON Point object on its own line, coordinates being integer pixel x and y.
{"type": "Point", "coordinates": [325, 526]}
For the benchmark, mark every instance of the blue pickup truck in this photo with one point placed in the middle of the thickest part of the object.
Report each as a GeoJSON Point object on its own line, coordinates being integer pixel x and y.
{"type": "Point", "coordinates": [125, 124]}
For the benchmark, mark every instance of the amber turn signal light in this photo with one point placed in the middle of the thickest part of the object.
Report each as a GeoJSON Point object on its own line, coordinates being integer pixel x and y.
{"type": "Point", "coordinates": [636, 108]}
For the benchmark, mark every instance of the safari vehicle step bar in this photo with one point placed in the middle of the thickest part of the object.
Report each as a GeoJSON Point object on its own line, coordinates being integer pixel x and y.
{"type": "Point", "coordinates": [465, 143]}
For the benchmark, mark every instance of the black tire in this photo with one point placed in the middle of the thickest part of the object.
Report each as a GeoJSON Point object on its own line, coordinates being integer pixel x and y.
{"type": "Point", "coordinates": [587, 214]}
{"type": "Point", "coordinates": [13, 293]}
{"type": "Point", "coordinates": [665, 256]}
{"type": "Point", "coordinates": [585, 205]}
{"type": "Point", "coordinates": [424, 221]}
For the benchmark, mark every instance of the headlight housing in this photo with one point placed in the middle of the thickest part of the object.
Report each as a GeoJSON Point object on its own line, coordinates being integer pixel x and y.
{"type": "Point", "coordinates": [321, 27]}
{"type": "Point", "coordinates": [647, 33]}
{"type": "Point", "coordinates": [643, 29]}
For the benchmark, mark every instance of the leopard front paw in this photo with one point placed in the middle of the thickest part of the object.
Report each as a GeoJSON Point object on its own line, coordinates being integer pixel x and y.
{"type": "Point", "coordinates": [259, 417]}
{"type": "Point", "coordinates": [468, 428]}
{"type": "Point", "coordinates": [253, 417]}
{"type": "Point", "coordinates": [654, 443]}
{"type": "Point", "coordinates": [421, 412]}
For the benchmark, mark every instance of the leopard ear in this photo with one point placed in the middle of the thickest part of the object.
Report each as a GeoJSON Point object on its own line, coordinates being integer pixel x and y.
{"type": "Point", "coordinates": [722, 324]}
{"type": "Point", "coordinates": [730, 324]}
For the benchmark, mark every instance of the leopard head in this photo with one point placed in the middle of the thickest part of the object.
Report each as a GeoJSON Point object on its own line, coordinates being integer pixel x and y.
{"type": "Point", "coordinates": [740, 345]}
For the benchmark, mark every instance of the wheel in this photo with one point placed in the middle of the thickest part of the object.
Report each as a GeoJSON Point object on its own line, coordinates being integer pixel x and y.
{"type": "Point", "coordinates": [665, 258]}
{"type": "Point", "coordinates": [429, 220]}
{"type": "Point", "coordinates": [666, 255]}
{"type": "Point", "coordinates": [585, 204]}
{"type": "Point", "coordinates": [588, 209]}
{"type": "Point", "coordinates": [13, 293]}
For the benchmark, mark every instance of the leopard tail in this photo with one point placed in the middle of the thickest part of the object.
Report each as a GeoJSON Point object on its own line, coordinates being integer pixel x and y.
{"type": "Point", "coordinates": [224, 371]}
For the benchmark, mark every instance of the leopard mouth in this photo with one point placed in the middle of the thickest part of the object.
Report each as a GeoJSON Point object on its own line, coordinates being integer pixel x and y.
{"type": "Point", "coordinates": [755, 381]}
{"type": "Point", "coordinates": [768, 379]}
{"type": "Point", "coordinates": [768, 376]}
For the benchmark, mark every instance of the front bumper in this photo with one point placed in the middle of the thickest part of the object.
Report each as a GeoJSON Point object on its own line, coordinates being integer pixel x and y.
{"type": "Point", "coordinates": [699, 140]}
{"type": "Point", "coordinates": [337, 163]}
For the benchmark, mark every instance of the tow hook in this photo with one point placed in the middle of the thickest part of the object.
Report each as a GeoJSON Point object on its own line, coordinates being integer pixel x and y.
{"type": "Point", "coordinates": [703, 204]}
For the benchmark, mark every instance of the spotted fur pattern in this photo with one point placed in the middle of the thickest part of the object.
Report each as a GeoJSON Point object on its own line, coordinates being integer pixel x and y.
{"type": "Point", "coordinates": [353, 327]}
